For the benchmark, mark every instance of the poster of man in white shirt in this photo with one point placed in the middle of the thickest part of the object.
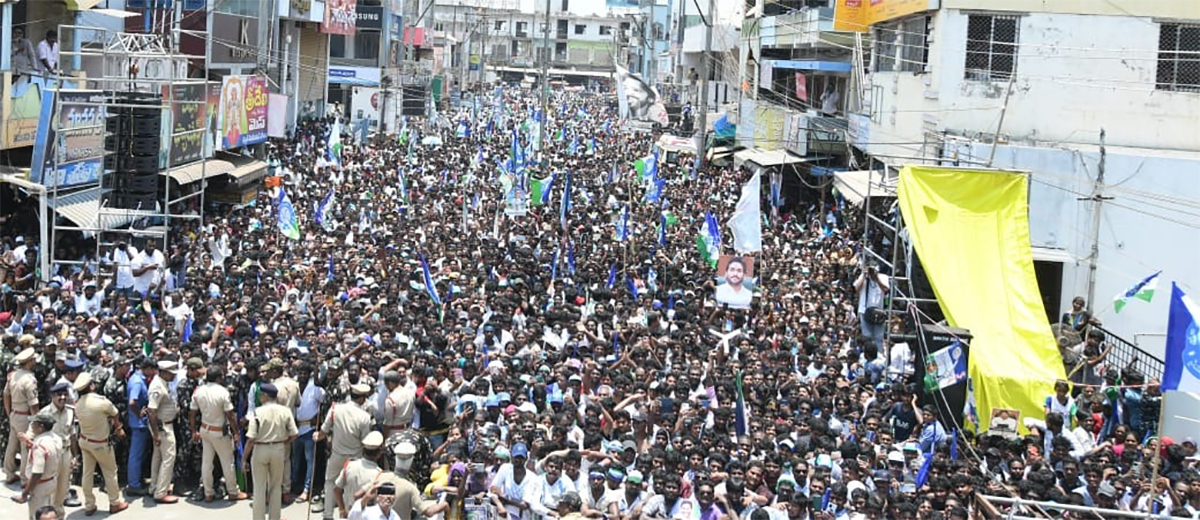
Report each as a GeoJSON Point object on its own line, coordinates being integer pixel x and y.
{"type": "Point", "coordinates": [735, 283]}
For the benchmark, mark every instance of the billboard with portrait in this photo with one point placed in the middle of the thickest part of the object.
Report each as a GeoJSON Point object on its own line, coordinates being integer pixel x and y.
{"type": "Point", "coordinates": [243, 114]}
{"type": "Point", "coordinates": [735, 281]}
{"type": "Point", "coordinates": [189, 117]}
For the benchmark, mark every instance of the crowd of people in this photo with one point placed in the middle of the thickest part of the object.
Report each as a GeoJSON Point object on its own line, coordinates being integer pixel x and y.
{"type": "Point", "coordinates": [426, 347]}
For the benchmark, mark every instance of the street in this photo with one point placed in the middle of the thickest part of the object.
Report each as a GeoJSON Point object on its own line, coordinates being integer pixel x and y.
{"type": "Point", "coordinates": [141, 508]}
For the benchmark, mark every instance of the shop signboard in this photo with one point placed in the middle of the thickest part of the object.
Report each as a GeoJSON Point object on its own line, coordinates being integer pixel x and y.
{"type": "Point", "coordinates": [70, 150]}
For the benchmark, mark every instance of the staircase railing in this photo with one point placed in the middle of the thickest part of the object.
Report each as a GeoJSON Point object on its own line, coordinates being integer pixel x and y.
{"type": "Point", "coordinates": [1125, 355]}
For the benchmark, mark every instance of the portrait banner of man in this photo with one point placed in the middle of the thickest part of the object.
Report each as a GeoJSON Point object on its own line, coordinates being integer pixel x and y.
{"type": "Point", "coordinates": [735, 281]}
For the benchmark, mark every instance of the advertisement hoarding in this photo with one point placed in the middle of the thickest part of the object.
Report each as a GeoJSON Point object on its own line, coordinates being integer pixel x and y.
{"type": "Point", "coordinates": [243, 114]}
{"type": "Point", "coordinates": [189, 113]}
{"type": "Point", "coordinates": [70, 151]}
{"type": "Point", "coordinates": [340, 17]}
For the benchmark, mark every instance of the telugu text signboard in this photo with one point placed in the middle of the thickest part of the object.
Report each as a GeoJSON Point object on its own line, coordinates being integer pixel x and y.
{"type": "Point", "coordinates": [70, 151]}
{"type": "Point", "coordinates": [243, 117]}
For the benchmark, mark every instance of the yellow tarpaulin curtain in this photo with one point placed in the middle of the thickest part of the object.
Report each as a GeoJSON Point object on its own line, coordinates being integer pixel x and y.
{"type": "Point", "coordinates": [970, 229]}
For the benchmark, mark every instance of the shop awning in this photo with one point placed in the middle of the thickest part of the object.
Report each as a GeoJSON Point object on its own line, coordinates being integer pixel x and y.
{"type": "Point", "coordinates": [83, 208]}
{"type": "Point", "coordinates": [854, 186]}
{"type": "Point", "coordinates": [249, 172]}
{"type": "Point", "coordinates": [721, 151]}
{"type": "Point", "coordinates": [205, 169]}
{"type": "Point", "coordinates": [766, 158]}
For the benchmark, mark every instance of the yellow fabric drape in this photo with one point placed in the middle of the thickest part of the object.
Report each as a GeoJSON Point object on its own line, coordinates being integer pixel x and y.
{"type": "Point", "coordinates": [970, 229]}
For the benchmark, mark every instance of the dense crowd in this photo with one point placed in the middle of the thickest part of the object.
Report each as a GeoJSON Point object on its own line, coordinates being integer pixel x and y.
{"type": "Point", "coordinates": [554, 369]}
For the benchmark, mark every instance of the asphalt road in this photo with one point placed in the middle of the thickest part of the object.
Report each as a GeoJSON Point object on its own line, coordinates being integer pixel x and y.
{"type": "Point", "coordinates": [145, 509]}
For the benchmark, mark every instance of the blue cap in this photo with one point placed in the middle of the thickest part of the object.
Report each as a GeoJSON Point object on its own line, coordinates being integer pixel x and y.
{"type": "Point", "coordinates": [492, 400]}
{"type": "Point", "coordinates": [73, 364]}
{"type": "Point", "coordinates": [269, 389]}
{"type": "Point", "coordinates": [616, 474]}
{"type": "Point", "coordinates": [62, 386]}
{"type": "Point", "coordinates": [519, 450]}
{"type": "Point", "coordinates": [503, 396]}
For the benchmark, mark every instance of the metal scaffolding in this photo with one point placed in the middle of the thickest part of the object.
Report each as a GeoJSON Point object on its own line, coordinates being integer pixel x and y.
{"type": "Point", "coordinates": [149, 64]}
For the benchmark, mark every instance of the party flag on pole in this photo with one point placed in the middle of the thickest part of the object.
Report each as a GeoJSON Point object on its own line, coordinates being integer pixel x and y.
{"type": "Point", "coordinates": [1143, 290]}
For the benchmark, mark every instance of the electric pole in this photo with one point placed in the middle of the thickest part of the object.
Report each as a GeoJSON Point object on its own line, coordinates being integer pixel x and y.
{"type": "Point", "coordinates": [545, 85]}
{"type": "Point", "coordinates": [703, 105]}
{"type": "Point", "coordinates": [1097, 197]}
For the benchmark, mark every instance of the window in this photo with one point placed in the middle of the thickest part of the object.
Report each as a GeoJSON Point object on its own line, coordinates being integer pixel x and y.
{"type": "Point", "coordinates": [914, 41]}
{"type": "Point", "coordinates": [885, 48]}
{"type": "Point", "coordinates": [1178, 57]}
{"type": "Point", "coordinates": [439, 26]}
{"type": "Point", "coordinates": [366, 45]}
{"type": "Point", "coordinates": [337, 46]}
{"type": "Point", "coordinates": [580, 29]}
{"type": "Point", "coordinates": [605, 30]}
{"type": "Point", "coordinates": [991, 47]}
{"type": "Point", "coordinates": [499, 25]}
{"type": "Point", "coordinates": [522, 29]}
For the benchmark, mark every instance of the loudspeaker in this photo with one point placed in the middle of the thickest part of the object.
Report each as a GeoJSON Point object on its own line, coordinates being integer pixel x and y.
{"type": "Point", "coordinates": [132, 143]}
{"type": "Point", "coordinates": [413, 99]}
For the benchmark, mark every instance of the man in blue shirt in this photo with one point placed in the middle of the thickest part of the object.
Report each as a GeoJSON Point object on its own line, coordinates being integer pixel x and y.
{"type": "Point", "coordinates": [139, 396]}
{"type": "Point", "coordinates": [932, 432]}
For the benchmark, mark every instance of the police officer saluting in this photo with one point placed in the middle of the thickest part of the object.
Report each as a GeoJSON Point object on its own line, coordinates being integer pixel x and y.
{"type": "Point", "coordinates": [98, 418]}
{"type": "Point", "coordinates": [269, 430]}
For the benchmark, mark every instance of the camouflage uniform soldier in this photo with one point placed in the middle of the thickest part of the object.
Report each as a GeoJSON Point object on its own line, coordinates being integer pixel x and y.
{"type": "Point", "coordinates": [114, 391]}
{"type": "Point", "coordinates": [187, 456]}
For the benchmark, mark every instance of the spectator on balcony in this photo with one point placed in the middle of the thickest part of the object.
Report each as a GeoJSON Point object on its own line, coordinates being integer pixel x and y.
{"type": "Point", "coordinates": [47, 53]}
{"type": "Point", "coordinates": [23, 58]}
{"type": "Point", "coordinates": [1078, 318]}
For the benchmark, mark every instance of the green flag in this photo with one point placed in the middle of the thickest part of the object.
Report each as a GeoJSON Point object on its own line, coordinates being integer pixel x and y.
{"type": "Point", "coordinates": [640, 166]}
{"type": "Point", "coordinates": [537, 190]}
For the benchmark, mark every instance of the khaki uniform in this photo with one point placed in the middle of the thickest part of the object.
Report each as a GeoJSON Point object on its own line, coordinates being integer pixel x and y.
{"type": "Point", "coordinates": [212, 401]}
{"type": "Point", "coordinates": [354, 475]}
{"type": "Point", "coordinates": [346, 425]}
{"type": "Point", "coordinates": [288, 397]}
{"type": "Point", "coordinates": [64, 427]}
{"type": "Point", "coordinates": [271, 427]}
{"type": "Point", "coordinates": [408, 498]}
{"type": "Point", "coordinates": [94, 411]}
{"type": "Point", "coordinates": [22, 389]}
{"type": "Point", "coordinates": [162, 465]}
{"type": "Point", "coordinates": [398, 410]}
{"type": "Point", "coordinates": [44, 458]}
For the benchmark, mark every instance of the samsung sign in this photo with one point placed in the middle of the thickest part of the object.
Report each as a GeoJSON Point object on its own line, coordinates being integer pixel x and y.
{"type": "Point", "coordinates": [369, 17]}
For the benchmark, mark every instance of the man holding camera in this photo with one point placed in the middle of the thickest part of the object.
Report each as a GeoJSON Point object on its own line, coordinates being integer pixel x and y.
{"type": "Point", "coordinates": [871, 287]}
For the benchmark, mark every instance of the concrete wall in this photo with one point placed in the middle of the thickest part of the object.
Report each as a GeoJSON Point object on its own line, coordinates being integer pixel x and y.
{"type": "Point", "coordinates": [1073, 78]}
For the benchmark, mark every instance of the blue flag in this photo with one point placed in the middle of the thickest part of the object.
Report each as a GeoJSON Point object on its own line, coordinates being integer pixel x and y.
{"type": "Point", "coordinates": [612, 276]}
{"type": "Point", "coordinates": [323, 208]}
{"type": "Point", "coordinates": [954, 444]}
{"type": "Point", "coordinates": [632, 288]}
{"type": "Point", "coordinates": [662, 230]}
{"type": "Point", "coordinates": [573, 148]}
{"type": "Point", "coordinates": [554, 265]}
{"type": "Point", "coordinates": [616, 345]}
{"type": "Point", "coordinates": [187, 329]}
{"type": "Point", "coordinates": [1181, 370]}
{"type": "Point", "coordinates": [329, 275]}
{"type": "Point", "coordinates": [923, 474]}
{"type": "Point", "coordinates": [565, 206]}
{"type": "Point", "coordinates": [652, 280]}
{"type": "Point", "coordinates": [429, 288]}
{"type": "Point", "coordinates": [623, 224]}
{"type": "Point", "coordinates": [286, 213]}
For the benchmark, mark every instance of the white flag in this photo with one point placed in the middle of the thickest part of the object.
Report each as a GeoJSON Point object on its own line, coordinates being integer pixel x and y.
{"type": "Point", "coordinates": [746, 222]}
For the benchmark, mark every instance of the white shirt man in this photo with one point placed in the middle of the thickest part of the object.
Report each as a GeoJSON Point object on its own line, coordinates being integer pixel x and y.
{"type": "Point", "coordinates": [47, 53]}
{"type": "Point", "coordinates": [150, 264]}
{"type": "Point", "coordinates": [123, 258]}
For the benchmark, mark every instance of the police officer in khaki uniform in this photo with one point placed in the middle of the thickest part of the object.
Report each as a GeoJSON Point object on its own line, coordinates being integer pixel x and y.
{"type": "Point", "coordinates": [41, 470]}
{"type": "Point", "coordinates": [289, 397]}
{"type": "Point", "coordinates": [358, 473]}
{"type": "Point", "coordinates": [20, 403]}
{"type": "Point", "coordinates": [270, 429]}
{"type": "Point", "coordinates": [347, 424]}
{"type": "Point", "coordinates": [98, 417]}
{"type": "Point", "coordinates": [64, 428]}
{"type": "Point", "coordinates": [211, 404]}
{"type": "Point", "coordinates": [162, 411]}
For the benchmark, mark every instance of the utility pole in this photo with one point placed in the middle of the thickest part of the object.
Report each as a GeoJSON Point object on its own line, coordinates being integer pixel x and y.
{"type": "Point", "coordinates": [1097, 197]}
{"type": "Point", "coordinates": [703, 105]}
{"type": "Point", "coordinates": [545, 85]}
{"type": "Point", "coordinates": [652, 69]}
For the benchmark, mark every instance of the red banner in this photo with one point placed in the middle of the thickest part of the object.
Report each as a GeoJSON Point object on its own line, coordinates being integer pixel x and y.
{"type": "Point", "coordinates": [801, 87]}
{"type": "Point", "coordinates": [340, 17]}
